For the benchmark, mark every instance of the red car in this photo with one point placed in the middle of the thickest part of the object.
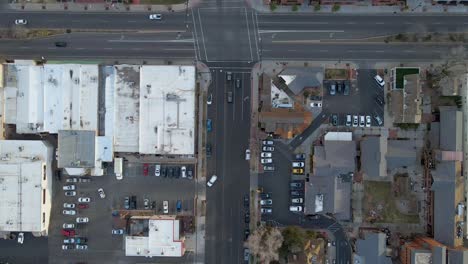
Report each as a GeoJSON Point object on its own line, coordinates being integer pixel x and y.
{"type": "Point", "coordinates": [145, 169]}
{"type": "Point", "coordinates": [83, 206]}
{"type": "Point", "coordinates": [68, 233]}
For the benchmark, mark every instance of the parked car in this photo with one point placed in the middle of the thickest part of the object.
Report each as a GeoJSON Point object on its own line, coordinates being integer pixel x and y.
{"type": "Point", "coordinates": [209, 100]}
{"type": "Point", "coordinates": [296, 193]}
{"type": "Point", "coordinates": [133, 202]}
{"type": "Point", "coordinates": [298, 164]}
{"type": "Point", "coordinates": [332, 89]}
{"type": "Point", "coordinates": [157, 170]}
{"type": "Point", "coordinates": [246, 254]}
{"type": "Point", "coordinates": [266, 202]}
{"type": "Point", "coordinates": [67, 247]}
{"type": "Point", "coordinates": [266, 210]}
{"type": "Point", "coordinates": [265, 195]}
{"type": "Point", "coordinates": [72, 180]}
{"type": "Point", "coordinates": [247, 154]}
{"type": "Point", "coordinates": [164, 171]}
{"type": "Point", "coordinates": [155, 17]}
{"type": "Point", "coordinates": [84, 200]}
{"type": "Point", "coordinates": [268, 148]}
{"type": "Point", "coordinates": [355, 121]}
{"type": "Point", "coordinates": [297, 200]}
{"type": "Point", "coordinates": [166, 207]}
{"type": "Point", "coordinates": [380, 81]}
{"type": "Point", "coordinates": [69, 187]}
{"type": "Point", "coordinates": [84, 180]}
{"type": "Point", "coordinates": [83, 206]}
{"type": "Point", "coordinates": [247, 218]}
{"type": "Point", "coordinates": [69, 241]}
{"type": "Point", "coordinates": [267, 142]}
{"type": "Point", "coordinates": [212, 180]}
{"type": "Point", "coordinates": [178, 206]}
{"type": "Point", "coordinates": [334, 119]}
{"type": "Point", "coordinates": [20, 238]}
{"type": "Point", "coordinates": [117, 231]}
{"type": "Point", "coordinates": [246, 201]}
{"type": "Point", "coordinates": [21, 22]}
{"type": "Point", "coordinates": [69, 212]}
{"type": "Point", "coordinates": [70, 193]}
{"type": "Point", "coordinates": [145, 169]}
{"type": "Point", "coordinates": [339, 86]}
{"type": "Point", "coordinates": [189, 174]}
{"type": "Point", "coordinates": [146, 203]}
{"type": "Point", "coordinates": [378, 120]}
{"type": "Point", "coordinates": [61, 44]}
{"type": "Point", "coordinates": [266, 155]}
{"type": "Point", "coordinates": [80, 220]}
{"type": "Point", "coordinates": [228, 76]}
{"type": "Point", "coordinates": [368, 121]}
{"type": "Point", "coordinates": [295, 208]}
{"type": "Point", "coordinates": [127, 203]}
{"type": "Point", "coordinates": [362, 121]}
{"type": "Point", "coordinates": [209, 125]}
{"type": "Point", "coordinates": [246, 233]}
{"type": "Point", "coordinates": [229, 97]}
{"type": "Point", "coordinates": [68, 233]}
{"type": "Point", "coordinates": [268, 168]}
{"type": "Point", "coordinates": [346, 89]}
{"type": "Point", "coordinates": [68, 226]}
{"type": "Point", "coordinates": [80, 240]}
{"type": "Point", "coordinates": [238, 83]}
{"type": "Point", "coordinates": [183, 172]}
{"type": "Point", "coordinates": [298, 171]}
{"type": "Point", "coordinates": [69, 205]}
{"type": "Point", "coordinates": [295, 185]}
{"type": "Point", "coordinates": [81, 247]}
{"type": "Point", "coordinates": [300, 156]}
{"type": "Point", "coordinates": [348, 120]}
{"type": "Point", "coordinates": [266, 161]}
{"type": "Point", "coordinates": [101, 193]}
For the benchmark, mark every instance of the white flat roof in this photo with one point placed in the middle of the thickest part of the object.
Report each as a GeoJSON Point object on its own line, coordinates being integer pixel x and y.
{"type": "Point", "coordinates": [56, 97]}
{"type": "Point", "coordinates": [21, 184]}
{"type": "Point", "coordinates": [162, 240]}
{"type": "Point", "coordinates": [167, 110]}
{"type": "Point", "coordinates": [339, 136]}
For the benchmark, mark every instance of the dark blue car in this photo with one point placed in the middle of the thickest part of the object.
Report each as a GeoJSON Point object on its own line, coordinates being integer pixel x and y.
{"type": "Point", "coordinates": [179, 206]}
{"type": "Point", "coordinates": [209, 126]}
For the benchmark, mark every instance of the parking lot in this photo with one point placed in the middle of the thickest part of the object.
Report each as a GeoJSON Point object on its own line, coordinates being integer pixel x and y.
{"type": "Point", "coordinates": [103, 247]}
{"type": "Point", "coordinates": [361, 100]}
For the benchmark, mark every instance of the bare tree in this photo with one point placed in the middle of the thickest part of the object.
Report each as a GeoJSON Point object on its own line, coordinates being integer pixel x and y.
{"type": "Point", "coordinates": [264, 243]}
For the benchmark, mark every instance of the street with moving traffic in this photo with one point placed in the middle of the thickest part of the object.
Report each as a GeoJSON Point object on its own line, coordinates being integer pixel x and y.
{"type": "Point", "coordinates": [230, 38]}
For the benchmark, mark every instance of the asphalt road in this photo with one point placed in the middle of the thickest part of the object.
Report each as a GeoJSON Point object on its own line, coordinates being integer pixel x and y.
{"type": "Point", "coordinates": [229, 139]}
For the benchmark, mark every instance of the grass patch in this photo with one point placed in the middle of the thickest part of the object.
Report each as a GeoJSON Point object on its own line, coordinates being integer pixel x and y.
{"type": "Point", "coordinates": [400, 74]}
{"type": "Point", "coordinates": [336, 74]}
{"type": "Point", "coordinates": [24, 33]}
{"type": "Point", "coordinates": [161, 2]}
{"type": "Point", "coordinates": [407, 126]}
{"type": "Point", "coordinates": [380, 204]}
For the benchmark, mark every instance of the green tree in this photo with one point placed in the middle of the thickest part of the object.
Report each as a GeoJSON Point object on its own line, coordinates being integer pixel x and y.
{"type": "Point", "coordinates": [317, 7]}
{"type": "Point", "coordinates": [294, 8]}
{"type": "Point", "coordinates": [273, 6]}
{"type": "Point", "coordinates": [294, 239]}
{"type": "Point", "coordinates": [336, 8]}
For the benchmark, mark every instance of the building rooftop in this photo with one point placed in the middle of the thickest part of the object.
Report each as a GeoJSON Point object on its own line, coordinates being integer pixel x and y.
{"type": "Point", "coordinates": [163, 239]}
{"type": "Point", "coordinates": [373, 152]}
{"type": "Point", "coordinates": [76, 149]}
{"type": "Point", "coordinates": [23, 166]}
{"type": "Point", "coordinates": [406, 102]}
{"type": "Point", "coordinates": [52, 97]}
{"type": "Point", "coordinates": [299, 78]}
{"type": "Point", "coordinates": [373, 248]}
{"type": "Point", "coordinates": [403, 153]}
{"type": "Point", "coordinates": [459, 255]}
{"type": "Point", "coordinates": [451, 129]}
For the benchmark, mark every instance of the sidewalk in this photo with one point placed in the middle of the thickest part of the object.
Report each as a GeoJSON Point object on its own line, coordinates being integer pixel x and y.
{"type": "Point", "coordinates": [414, 8]}
{"type": "Point", "coordinates": [101, 7]}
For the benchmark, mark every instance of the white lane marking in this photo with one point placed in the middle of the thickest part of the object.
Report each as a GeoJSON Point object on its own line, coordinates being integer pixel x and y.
{"type": "Point", "coordinates": [203, 36]}
{"type": "Point", "coordinates": [293, 23]}
{"type": "Point", "coordinates": [255, 31]}
{"type": "Point", "coordinates": [25, 47]}
{"type": "Point", "coordinates": [350, 23]}
{"type": "Point", "coordinates": [152, 41]}
{"type": "Point", "coordinates": [178, 49]}
{"type": "Point", "coordinates": [107, 48]}
{"type": "Point", "coordinates": [196, 44]}
{"type": "Point", "coordinates": [248, 33]}
{"type": "Point", "coordinates": [300, 31]}
{"type": "Point", "coordinates": [79, 48]}
{"type": "Point", "coordinates": [379, 23]}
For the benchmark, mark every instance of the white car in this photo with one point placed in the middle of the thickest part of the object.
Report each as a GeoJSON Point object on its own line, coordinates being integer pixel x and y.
{"type": "Point", "coordinates": [266, 202]}
{"type": "Point", "coordinates": [315, 104]}
{"type": "Point", "coordinates": [183, 172]}
{"type": "Point", "coordinates": [355, 121]}
{"type": "Point", "coordinates": [117, 231]}
{"type": "Point", "coordinates": [298, 164]}
{"type": "Point", "coordinates": [101, 193]}
{"type": "Point", "coordinates": [70, 193]}
{"type": "Point", "coordinates": [247, 154]}
{"type": "Point", "coordinates": [84, 200]}
{"type": "Point", "coordinates": [69, 212]}
{"type": "Point", "coordinates": [362, 121]}
{"type": "Point", "coordinates": [72, 180]}
{"type": "Point", "coordinates": [81, 247]}
{"type": "Point", "coordinates": [268, 148]}
{"type": "Point", "coordinates": [267, 142]}
{"type": "Point", "coordinates": [380, 81]}
{"type": "Point", "coordinates": [21, 238]}
{"type": "Point", "coordinates": [69, 205]}
{"type": "Point", "coordinates": [68, 226]}
{"type": "Point", "coordinates": [166, 207]}
{"type": "Point", "coordinates": [69, 241]}
{"type": "Point", "coordinates": [266, 155]}
{"type": "Point", "coordinates": [212, 180]}
{"type": "Point", "coordinates": [69, 187]}
{"type": "Point", "coordinates": [157, 170]}
{"type": "Point", "coordinates": [266, 161]}
{"type": "Point", "coordinates": [368, 121]}
{"type": "Point", "coordinates": [21, 22]}
{"type": "Point", "coordinates": [266, 210]}
{"type": "Point", "coordinates": [268, 168]}
{"type": "Point", "coordinates": [155, 17]}
{"type": "Point", "coordinates": [297, 200]}
{"type": "Point", "coordinates": [82, 220]}
{"type": "Point", "coordinates": [294, 208]}
{"type": "Point", "coordinates": [209, 100]}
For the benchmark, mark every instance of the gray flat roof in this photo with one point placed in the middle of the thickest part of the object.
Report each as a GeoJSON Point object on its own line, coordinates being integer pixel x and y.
{"type": "Point", "coordinates": [451, 128]}
{"type": "Point", "coordinates": [372, 248]}
{"type": "Point", "coordinates": [76, 149]}
{"type": "Point", "coordinates": [402, 153]}
{"type": "Point", "coordinates": [458, 256]}
{"type": "Point", "coordinates": [373, 151]}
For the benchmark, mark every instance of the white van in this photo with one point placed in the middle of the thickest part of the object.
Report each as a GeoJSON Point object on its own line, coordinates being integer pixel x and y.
{"type": "Point", "coordinates": [349, 121]}
{"type": "Point", "coordinates": [380, 81]}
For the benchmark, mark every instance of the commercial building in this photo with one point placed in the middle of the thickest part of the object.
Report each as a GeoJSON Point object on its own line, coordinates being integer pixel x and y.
{"type": "Point", "coordinates": [406, 95]}
{"type": "Point", "coordinates": [425, 250]}
{"type": "Point", "coordinates": [373, 157]}
{"type": "Point", "coordinates": [329, 186]}
{"type": "Point", "coordinates": [372, 249]}
{"type": "Point", "coordinates": [155, 236]}
{"type": "Point", "coordinates": [25, 186]}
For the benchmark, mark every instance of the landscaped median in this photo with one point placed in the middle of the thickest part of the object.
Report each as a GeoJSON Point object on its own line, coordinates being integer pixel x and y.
{"type": "Point", "coordinates": [24, 33]}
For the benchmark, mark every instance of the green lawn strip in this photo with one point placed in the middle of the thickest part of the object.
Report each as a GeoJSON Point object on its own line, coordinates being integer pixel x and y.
{"type": "Point", "coordinates": [400, 74]}
{"type": "Point", "coordinates": [161, 2]}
